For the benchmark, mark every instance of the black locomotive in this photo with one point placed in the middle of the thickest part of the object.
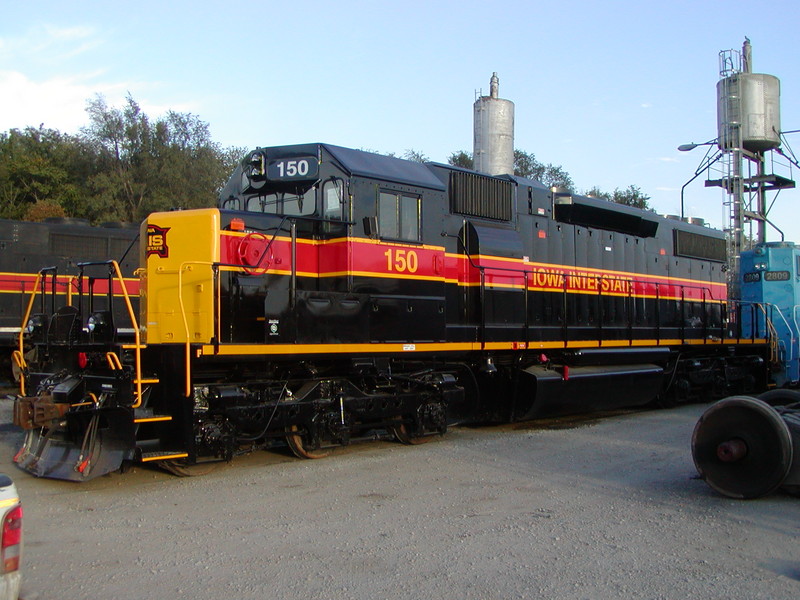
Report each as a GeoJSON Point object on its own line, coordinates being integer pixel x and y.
{"type": "Point", "coordinates": [337, 294]}
{"type": "Point", "coordinates": [58, 245]}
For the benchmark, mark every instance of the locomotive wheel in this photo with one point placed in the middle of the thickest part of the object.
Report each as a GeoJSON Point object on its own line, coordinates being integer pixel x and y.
{"type": "Point", "coordinates": [296, 444]}
{"type": "Point", "coordinates": [402, 435]}
{"type": "Point", "coordinates": [181, 469]}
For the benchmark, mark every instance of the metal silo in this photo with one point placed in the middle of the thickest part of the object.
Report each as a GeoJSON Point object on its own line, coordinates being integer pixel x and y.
{"type": "Point", "coordinates": [493, 148]}
{"type": "Point", "coordinates": [748, 105]}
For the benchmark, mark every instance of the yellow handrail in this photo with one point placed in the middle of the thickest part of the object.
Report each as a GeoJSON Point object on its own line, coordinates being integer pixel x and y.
{"type": "Point", "coordinates": [21, 349]}
{"type": "Point", "coordinates": [186, 266]}
{"type": "Point", "coordinates": [113, 361]}
{"type": "Point", "coordinates": [137, 339]}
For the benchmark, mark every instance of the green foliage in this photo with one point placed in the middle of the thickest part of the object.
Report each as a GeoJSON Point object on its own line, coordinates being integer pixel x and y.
{"type": "Point", "coordinates": [38, 165]}
{"type": "Point", "coordinates": [123, 165]}
{"type": "Point", "coordinates": [415, 156]}
{"type": "Point", "coordinates": [556, 176]}
{"type": "Point", "coordinates": [596, 192]}
{"type": "Point", "coordinates": [44, 209]}
{"type": "Point", "coordinates": [525, 165]}
{"type": "Point", "coordinates": [630, 196]}
{"type": "Point", "coordinates": [461, 159]}
{"type": "Point", "coordinates": [151, 165]}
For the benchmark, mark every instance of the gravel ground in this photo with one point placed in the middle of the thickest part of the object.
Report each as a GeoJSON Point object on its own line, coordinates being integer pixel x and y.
{"type": "Point", "coordinates": [590, 508]}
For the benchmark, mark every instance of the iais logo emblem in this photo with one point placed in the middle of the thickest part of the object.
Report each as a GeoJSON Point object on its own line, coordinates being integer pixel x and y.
{"type": "Point", "coordinates": [157, 241]}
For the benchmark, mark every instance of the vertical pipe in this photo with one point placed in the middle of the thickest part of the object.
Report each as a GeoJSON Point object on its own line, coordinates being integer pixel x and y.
{"type": "Point", "coordinates": [761, 199]}
{"type": "Point", "coordinates": [293, 281]}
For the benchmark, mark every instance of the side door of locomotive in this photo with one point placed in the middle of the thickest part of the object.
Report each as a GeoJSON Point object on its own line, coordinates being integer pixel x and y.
{"type": "Point", "coordinates": [404, 275]}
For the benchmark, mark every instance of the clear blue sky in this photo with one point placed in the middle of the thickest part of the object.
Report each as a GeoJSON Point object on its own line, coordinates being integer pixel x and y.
{"type": "Point", "coordinates": [607, 90]}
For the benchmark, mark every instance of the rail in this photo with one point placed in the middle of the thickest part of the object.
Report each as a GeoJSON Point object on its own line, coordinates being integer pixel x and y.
{"type": "Point", "coordinates": [187, 266]}
{"type": "Point", "coordinates": [19, 354]}
{"type": "Point", "coordinates": [704, 299]}
{"type": "Point", "coordinates": [115, 274]}
{"type": "Point", "coordinates": [774, 334]}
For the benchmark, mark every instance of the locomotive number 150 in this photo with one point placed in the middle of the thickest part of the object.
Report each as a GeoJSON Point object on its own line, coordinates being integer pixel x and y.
{"type": "Point", "coordinates": [401, 260]}
{"type": "Point", "coordinates": [301, 168]}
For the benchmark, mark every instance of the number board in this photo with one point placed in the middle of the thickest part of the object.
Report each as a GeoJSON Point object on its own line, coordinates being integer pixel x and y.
{"type": "Point", "coordinates": [776, 275]}
{"type": "Point", "coordinates": [296, 168]}
{"type": "Point", "coordinates": [753, 277]}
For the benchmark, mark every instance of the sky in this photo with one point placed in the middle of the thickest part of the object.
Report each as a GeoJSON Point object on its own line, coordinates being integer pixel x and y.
{"type": "Point", "coordinates": [607, 90]}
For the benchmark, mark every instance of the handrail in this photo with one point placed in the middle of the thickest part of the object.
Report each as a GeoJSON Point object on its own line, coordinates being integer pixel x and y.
{"type": "Point", "coordinates": [769, 326]}
{"type": "Point", "coordinates": [21, 342]}
{"type": "Point", "coordinates": [185, 266]}
{"type": "Point", "coordinates": [136, 333]}
{"type": "Point", "coordinates": [706, 293]}
{"type": "Point", "coordinates": [137, 344]}
{"type": "Point", "coordinates": [786, 323]}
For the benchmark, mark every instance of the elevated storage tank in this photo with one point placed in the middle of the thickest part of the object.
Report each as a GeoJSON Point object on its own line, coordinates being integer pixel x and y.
{"type": "Point", "coordinates": [493, 148]}
{"type": "Point", "coordinates": [750, 102]}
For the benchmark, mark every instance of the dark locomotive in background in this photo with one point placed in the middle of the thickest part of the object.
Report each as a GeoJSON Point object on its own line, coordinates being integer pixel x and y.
{"type": "Point", "coordinates": [57, 244]}
{"type": "Point", "coordinates": [337, 294]}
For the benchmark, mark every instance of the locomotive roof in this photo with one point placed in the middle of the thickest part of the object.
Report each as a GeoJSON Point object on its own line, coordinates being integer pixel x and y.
{"type": "Point", "coordinates": [379, 166]}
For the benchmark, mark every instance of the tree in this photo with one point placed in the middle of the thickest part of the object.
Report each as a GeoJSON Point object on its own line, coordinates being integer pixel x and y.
{"type": "Point", "coordinates": [120, 139]}
{"type": "Point", "coordinates": [526, 165]}
{"type": "Point", "coordinates": [631, 196]}
{"type": "Point", "coordinates": [44, 209]}
{"type": "Point", "coordinates": [461, 159]}
{"type": "Point", "coordinates": [415, 156]}
{"type": "Point", "coordinates": [39, 165]}
{"type": "Point", "coordinates": [122, 166]}
{"type": "Point", "coordinates": [148, 165]}
{"type": "Point", "coordinates": [556, 176]}
{"type": "Point", "coordinates": [596, 192]}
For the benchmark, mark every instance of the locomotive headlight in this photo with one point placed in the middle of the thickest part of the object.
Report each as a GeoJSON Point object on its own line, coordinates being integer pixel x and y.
{"type": "Point", "coordinates": [761, 266]}
{"type": "Point", "coordinates": [99, 322]}
{"type": "Point", "coordinates": [35, 324]}
{"type": "Point", "coordinates": [257, 164]}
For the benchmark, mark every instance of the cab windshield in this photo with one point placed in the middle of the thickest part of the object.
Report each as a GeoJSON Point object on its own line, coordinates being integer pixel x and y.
{"type": "Point", "coordinates": [296, 201]}
{"type": "Point", "coordinates": [324, 199]}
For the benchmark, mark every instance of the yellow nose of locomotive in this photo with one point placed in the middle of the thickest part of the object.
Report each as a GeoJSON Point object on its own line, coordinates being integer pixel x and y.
{"type": "Point", "coordinates": [178, 252]}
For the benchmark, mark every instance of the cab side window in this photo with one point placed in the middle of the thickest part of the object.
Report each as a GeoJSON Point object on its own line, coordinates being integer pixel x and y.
{"type": "Point", "coordinates": [399, 216]}
{"type": "Point", "coordinates": [332, 199]}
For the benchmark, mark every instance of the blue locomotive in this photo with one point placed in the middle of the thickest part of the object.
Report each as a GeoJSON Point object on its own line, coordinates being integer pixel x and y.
{"type": "Point", "coordinates": [769, 278]}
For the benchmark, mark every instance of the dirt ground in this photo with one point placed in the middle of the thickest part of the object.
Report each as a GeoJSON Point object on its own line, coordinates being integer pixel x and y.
{"type": "Point", "coordinates": [590, 508]}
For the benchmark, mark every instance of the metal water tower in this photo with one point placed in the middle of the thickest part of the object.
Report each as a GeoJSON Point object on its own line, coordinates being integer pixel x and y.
{"type": "Point", "coordinates": [493, 147]}
{"type": "Point", "coordinates": [748, 132]}
{"type": "Point", "coordinates": [748, 126]}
